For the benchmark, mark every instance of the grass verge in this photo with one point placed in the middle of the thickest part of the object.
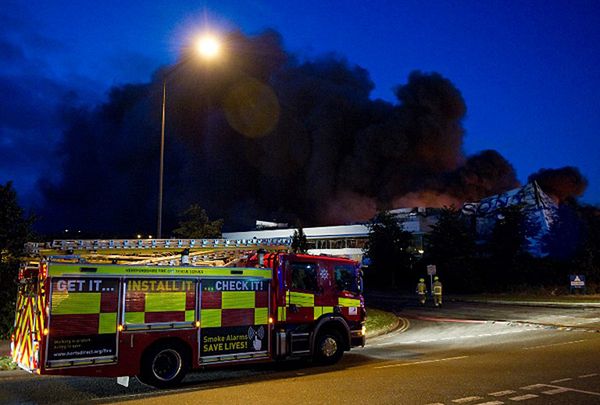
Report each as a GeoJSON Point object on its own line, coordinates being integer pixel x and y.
{"type": "Point", "coordinates": [379, 321]}
{"type": "Point", "coordinates": [6, 363]}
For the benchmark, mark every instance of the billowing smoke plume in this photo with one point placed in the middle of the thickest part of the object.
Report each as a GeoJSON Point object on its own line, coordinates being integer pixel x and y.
{"type": "Point", "coordinates": [261, 135]}
{"type": "Point", "coordinates": [485, 173]}
{"type": "Point", "coordinates": [564, 183]}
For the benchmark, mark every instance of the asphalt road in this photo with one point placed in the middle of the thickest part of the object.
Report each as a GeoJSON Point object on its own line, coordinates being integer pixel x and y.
{"type": "Point", "coordinates": [461, 354]}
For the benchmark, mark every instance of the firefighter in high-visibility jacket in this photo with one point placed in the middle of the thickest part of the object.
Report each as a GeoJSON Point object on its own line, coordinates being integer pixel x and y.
{"type": "Point", "coordinates": [437, 291]}
{"type": "Point", "coordinates": [422, 291]}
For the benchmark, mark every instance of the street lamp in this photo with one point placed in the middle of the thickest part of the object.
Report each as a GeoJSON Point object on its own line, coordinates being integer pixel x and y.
{"type": "Point", "coordinates": [207, 47]}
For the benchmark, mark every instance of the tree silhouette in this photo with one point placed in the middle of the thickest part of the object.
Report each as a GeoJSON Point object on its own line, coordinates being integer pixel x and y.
{"type": "Point", "coordinates": [389, 249]}
{"type": "Point", "coordinates": [195, 224]}
{"type": "Point", "coordinates": [451, 247]}
{"type": "Point", "coordinates": [299, 241]}
{"type": "Point", "coordinates": [15, 231]}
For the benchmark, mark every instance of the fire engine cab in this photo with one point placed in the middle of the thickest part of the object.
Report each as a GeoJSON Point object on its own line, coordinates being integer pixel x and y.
{"type": "Point", "coordinates": [124, 309]}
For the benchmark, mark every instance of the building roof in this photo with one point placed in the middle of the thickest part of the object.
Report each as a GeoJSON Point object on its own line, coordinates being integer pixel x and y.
{"type": "Point", "coordinates": [320, 232]}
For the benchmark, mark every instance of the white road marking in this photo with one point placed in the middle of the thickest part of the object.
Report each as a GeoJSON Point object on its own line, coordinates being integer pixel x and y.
{"type": "Point", "coordinates": [466, 399]}
{"type": "Point", "coordinates": [576, 390]}
{"type": "Point", "coordinates": [502, 393]}
{"type": "Point", "coordinates": [534, 386]}
{"type": "Point", "coordinates": [555, 344]}
{"type": "Point", "coordinates": [405, 326]}
{"type": "Point", "coordinates": [561, 380]}
{"type": "Point", "coordinates": [555, 391]}
{"type": "Point", "coordinates": [523, 397]}
{"type": "Point", "coordinates": [422, 362]}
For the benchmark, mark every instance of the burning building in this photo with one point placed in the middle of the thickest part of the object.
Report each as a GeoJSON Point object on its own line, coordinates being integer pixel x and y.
{"type": "Point", "coordinates": [538, 207]}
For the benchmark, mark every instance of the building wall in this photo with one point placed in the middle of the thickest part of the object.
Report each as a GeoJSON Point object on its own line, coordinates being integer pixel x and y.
{"type": "Point", "coordinates": [346, 240]}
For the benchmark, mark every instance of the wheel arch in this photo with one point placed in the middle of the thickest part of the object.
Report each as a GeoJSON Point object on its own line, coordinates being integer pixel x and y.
{"type": "Point", "coordinates": [171, 341]}
{"type": "Point", "coordinates": [332, 323]}
{"type": "Point", "coordinates": [147, 373]}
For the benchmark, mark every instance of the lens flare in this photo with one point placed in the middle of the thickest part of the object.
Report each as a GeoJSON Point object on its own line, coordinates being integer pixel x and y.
{"type": "Point", "coordinates": [252, 108]}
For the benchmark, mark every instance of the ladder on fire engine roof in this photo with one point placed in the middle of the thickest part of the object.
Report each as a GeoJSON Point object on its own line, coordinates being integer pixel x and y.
{"type": "Point", "coordinates": [200, 252]}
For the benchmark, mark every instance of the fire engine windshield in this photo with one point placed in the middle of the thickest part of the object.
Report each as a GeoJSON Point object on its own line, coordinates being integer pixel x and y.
{"type": "Point", "coordinates": [346, 278]}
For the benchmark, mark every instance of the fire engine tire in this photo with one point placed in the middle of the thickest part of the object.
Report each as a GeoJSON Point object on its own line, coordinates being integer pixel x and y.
{"type": "Point", "coordinates": [328, 347]}
{"type": "Point", "coordinates": [164, 365]}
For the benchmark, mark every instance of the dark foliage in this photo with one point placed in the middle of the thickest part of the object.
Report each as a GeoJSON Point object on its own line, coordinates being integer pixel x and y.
{"type": "Point", "coordinates": [389, 249]}
{"type": "Point", "coordinates": [195, 224]}
{"type": "Point", "coordinates": [14, 233]}
{"type": "Point", "coordinates": [587, 257]}
{"type": "Point", "coordinates": [451, 247]}
{"type": "Point", "coordinates": [299, 241]}
{"type": "Point", "coordinates": [502, 264]}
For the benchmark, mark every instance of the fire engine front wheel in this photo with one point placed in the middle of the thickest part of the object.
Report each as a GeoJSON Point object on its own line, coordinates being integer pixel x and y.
{"type": "Point", "coordinates": [163, 366]}
{"type": "Point", "coordinates": [328, 348]}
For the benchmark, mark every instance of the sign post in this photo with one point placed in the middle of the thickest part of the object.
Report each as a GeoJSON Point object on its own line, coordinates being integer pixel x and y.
{"type": "Point", "coordinates": [431, 270]}
{"type": "Point", "coordinates": [577, 283]}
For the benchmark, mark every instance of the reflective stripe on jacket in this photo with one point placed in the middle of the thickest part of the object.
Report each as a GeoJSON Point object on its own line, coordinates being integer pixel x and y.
{"type": "Point", "coordinates": [437, 288]}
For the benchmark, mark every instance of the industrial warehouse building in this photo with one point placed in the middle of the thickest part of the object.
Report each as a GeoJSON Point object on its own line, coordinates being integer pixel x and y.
{"type": "Point", "coordinates": [346, 240]}
{"type": "Point", "coordinates": [349, 240]}
{"type": "Point", "coordinates": [537, 206]}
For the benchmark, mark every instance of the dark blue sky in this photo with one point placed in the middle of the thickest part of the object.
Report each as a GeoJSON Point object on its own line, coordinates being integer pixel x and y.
{"type": "Point", "coordinates": [528, 70]}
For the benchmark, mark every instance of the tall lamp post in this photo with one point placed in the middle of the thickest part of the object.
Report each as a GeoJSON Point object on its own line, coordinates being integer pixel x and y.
{"type": "Point", "coordinates": [208, 47]}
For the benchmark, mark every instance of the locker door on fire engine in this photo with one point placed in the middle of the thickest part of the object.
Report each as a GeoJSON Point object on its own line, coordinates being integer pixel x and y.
{"type": "Point", "coordinates": [302, 288]}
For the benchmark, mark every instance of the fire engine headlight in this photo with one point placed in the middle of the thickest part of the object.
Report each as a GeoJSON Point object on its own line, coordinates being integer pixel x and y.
{"type": "Point", "coordinates": [363, 331]}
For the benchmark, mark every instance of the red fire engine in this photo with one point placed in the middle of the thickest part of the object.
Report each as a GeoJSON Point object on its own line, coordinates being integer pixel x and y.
{"type": "Point", "coordinates": [78, 315]}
